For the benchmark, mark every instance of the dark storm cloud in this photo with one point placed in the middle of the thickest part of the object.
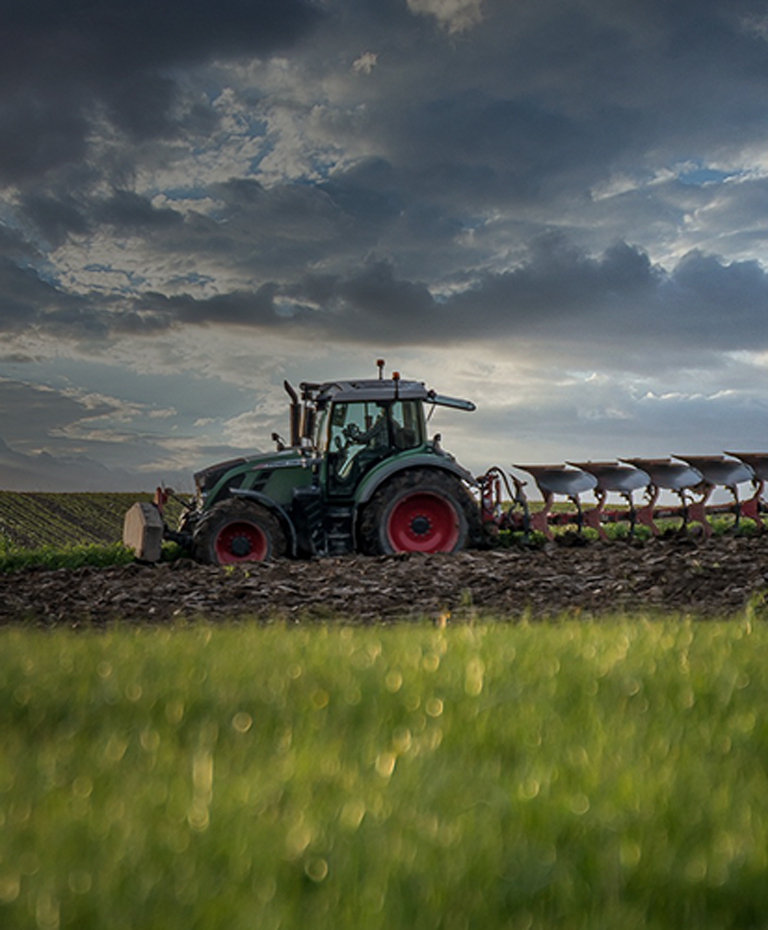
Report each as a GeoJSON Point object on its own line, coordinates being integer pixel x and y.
{"type": "Point", "coordinates": [556, 92]}
{"type": "Point", "coordinates": [30, 304]}
{"type": "Point", "coordinates": [45, 409]}
{"type": "Point", "coordinates": [616, 301]}
{"type": "Point", "coordinates": [234, 309]}
{"type": "Point", "coordinates": [615, 305]}
{"type": "Point", "coordinates": [15, 245]}
{"type": "Point", "coordinates": [506, 148]}
{"type": "Point", "coordinates": [281, 226]}
{"type": "Point", "coordinates": [265, 233]}
{"type": "Point", "coordinates": [25, 298]}
{"type": "Point", "coordinates": [55, 217]}
{"type": "Point", "coordinates": [60, 59]}
{"type": "Point", "coordinates": [39, 129]}
{"type": "Point", "coordinates": [59, 216]}
{"type": "Point", "coordinates": [126, 210]}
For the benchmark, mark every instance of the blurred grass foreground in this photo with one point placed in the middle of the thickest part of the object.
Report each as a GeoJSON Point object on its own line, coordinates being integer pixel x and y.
{"type": "Point", "coordinates": [610, 775]}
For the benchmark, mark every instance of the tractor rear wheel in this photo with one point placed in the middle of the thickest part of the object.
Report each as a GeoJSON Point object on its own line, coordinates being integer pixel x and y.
{"type": "Point", "coordinates": [236, 531]}
{"type": "Point", "coordinates": [419, 511]}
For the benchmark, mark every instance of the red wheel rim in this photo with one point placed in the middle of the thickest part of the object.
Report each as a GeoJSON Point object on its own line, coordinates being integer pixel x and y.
{"type": "Point", "coordinates": [423, 522]}
{"type": "Point", "coordinates": [240, 542]}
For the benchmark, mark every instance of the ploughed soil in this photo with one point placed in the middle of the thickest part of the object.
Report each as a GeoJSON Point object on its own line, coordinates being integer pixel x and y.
{"type": "Point", "coordinates": [712, 578]}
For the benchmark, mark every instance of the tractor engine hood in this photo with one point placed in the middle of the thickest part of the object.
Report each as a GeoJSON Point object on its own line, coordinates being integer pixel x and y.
{"type": "Point", "coordinates": [207, 479]}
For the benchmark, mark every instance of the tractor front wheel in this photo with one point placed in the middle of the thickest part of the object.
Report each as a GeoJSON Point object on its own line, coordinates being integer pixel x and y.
{"type": "Point", "coordinates": [236, 531]}
{"type": "Point", "coordinates": [418, 512]}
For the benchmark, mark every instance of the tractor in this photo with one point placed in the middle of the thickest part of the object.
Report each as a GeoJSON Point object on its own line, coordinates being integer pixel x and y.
{"type": "Point", "coordinates": [358, 475]}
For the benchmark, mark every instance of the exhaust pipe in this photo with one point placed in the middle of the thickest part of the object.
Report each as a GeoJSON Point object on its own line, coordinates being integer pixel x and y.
{"type": "Point", "coordinates": [295, 415]}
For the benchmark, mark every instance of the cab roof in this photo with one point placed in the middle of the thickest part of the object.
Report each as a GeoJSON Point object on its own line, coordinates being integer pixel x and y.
{"type": "Point", "coordinates": [372, 389]}
{"type": "Point", "coordinates": [379, 389]}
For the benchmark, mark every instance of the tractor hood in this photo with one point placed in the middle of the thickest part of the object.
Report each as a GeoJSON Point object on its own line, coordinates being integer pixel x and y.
{"type": "Point", "coordinates": [209, 478]}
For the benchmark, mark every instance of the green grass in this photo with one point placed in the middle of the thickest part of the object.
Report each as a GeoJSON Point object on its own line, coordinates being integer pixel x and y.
{"type": "Point", "coordinates": [720, 526]}
{"type": "Point", "coordinates": [561, 775]}
{"type": "Point", "coordinates": [15, 558]}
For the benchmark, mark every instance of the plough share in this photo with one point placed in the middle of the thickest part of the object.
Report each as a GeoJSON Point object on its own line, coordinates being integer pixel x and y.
{"type": "Point", "coordinates": [691, 479]}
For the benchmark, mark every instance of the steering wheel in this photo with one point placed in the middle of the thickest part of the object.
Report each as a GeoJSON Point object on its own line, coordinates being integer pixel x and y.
{"type": "Point", "coordinates": [352, 433]}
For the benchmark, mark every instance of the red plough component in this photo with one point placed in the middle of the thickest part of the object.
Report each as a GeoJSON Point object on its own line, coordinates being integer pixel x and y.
{"type": "Point", "coordinates": [612, 477]}
{"type": "Point", "coordinates": [692, 479]}
{"type": "Point", "coordinates": [682, 480]}
{"type": "Point", "coordinates": [553, 480]}
{"type": "Point", "coordinates": [719, 472]}
{"type": "Point", "coordinates": [757, 463]}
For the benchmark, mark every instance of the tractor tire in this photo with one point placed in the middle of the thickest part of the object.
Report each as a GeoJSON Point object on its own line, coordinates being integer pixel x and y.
{"type": "Point", "coordinates": [236, 531]}
{"type": "Point", "coordinates": [419, 511]}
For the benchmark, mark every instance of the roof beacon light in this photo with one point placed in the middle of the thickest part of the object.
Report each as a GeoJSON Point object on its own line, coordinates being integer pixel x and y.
{"type": "Point", "coordinates": [380, 363]}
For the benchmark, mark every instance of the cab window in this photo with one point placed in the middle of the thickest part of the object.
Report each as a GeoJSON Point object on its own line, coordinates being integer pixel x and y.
{"type": "Point", "coordinates": [361, 434]}
{"type": "Point", "coordinates": [407, 425]}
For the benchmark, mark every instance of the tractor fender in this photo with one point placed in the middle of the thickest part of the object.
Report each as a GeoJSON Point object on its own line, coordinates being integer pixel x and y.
{"type": "Point", "coordinates": [387, 469]}
{"type": "Point", "coordinates": [276, 509]}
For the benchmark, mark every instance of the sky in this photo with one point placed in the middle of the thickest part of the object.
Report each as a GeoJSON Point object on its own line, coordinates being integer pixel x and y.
{"type": "Point", "coordinates": [555, 208]}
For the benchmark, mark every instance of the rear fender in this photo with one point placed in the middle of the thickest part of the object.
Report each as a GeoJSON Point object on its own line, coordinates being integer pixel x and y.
{"type": "Point", "coordinates": [388, 468]}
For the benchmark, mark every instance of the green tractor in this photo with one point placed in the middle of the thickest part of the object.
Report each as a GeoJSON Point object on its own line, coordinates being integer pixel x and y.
{"type": "Point", "coordinates": [358, 475]}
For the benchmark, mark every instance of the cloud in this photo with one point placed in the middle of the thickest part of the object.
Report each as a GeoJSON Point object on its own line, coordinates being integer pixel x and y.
{"type": "Point", "coordinates": [26, 299]}
{"type": "Point", "coordinates": [67, 439]}
{"type": "Point", "coordinates": [578, 188]}
{"type": "Point", "coordinates": [64, 66]}
{"type": "Point", "coordinates": [454, 15]}
{"type": "Point", "coordinates": [618, 307]}
{"type": "Point", "coordinates": [365, 63]}
{"type": "Point", "coordinates": [45, 472]}
{"type": "Point", "coordinates": [54, 217]}
{"type": "Point", "coordinates": [127, 210]}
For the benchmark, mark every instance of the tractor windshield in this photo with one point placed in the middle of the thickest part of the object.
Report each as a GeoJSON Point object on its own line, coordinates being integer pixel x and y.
{"type": "Point", "coordinates": [362, 433]}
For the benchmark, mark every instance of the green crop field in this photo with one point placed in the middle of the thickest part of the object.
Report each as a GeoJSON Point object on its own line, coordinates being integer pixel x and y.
{"type": "Point", "coordinates": [35, 519]}
{"type": "Point", "coordinates": [570, 775]}
{"type": "Point", "coordinates": [58, 529]}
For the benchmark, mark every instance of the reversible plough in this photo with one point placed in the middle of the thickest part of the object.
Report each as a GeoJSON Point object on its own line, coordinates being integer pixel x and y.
{"type": "Point", "coordinates": [691, 479]}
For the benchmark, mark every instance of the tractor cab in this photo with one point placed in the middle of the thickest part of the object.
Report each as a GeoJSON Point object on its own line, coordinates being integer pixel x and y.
{"type": "Point", "coordinates": [353, 426]}
{"type": "Point", "coordinates": [366, 423]}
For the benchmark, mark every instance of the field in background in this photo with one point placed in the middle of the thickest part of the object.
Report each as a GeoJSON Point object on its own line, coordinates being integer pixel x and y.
{"type": "Point", "coordinates": [68, 529]}
{"type": "Point", "coordinates": [31, 520]}
{"type": "Point", "coordinates": [571, 775]}
{"type": "Point", "coordinates": [38, 519]}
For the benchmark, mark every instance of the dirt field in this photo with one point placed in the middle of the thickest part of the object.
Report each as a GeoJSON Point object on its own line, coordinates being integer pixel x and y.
{"type": "Point", "coordinates": [716, 578]}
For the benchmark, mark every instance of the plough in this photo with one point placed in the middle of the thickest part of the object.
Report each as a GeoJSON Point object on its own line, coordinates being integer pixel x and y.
{"type": "Point", "coordinates": [691, 479]}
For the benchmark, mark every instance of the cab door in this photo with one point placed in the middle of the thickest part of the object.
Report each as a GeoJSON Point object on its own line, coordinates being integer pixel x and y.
{"type": "Point", "coordinates": [363, 433]}
{"type": "Point", "coordinates": [358, 438]}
